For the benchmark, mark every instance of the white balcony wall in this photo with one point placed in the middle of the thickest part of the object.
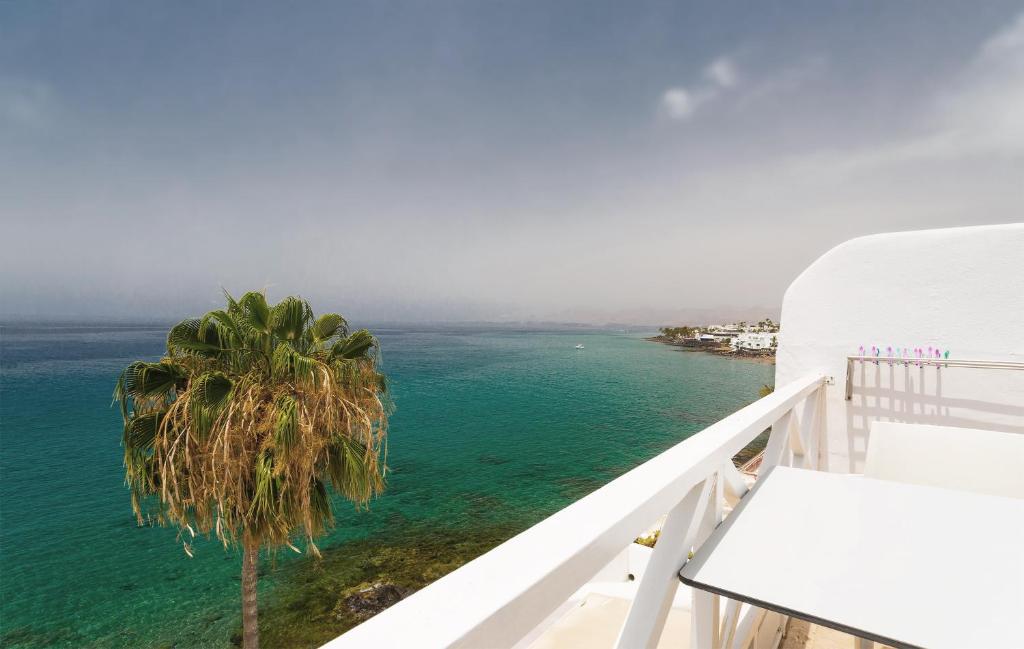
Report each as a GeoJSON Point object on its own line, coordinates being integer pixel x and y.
{"type": "Point", "coordinates": [959, 289]}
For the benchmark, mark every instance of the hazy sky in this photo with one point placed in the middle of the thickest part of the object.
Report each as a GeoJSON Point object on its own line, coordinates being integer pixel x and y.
{"type": "Point", "coordinates": [479, 160]}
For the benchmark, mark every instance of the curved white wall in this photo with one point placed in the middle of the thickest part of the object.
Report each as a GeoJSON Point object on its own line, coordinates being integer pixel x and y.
{"type": "Point", "coordinates": [960, 289]}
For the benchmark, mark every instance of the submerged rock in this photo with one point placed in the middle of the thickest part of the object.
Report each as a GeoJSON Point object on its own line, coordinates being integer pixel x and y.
{"type": "Point", "coordinates": [369, 601]}
{"type": "Point", "coordinates": [310, 602]}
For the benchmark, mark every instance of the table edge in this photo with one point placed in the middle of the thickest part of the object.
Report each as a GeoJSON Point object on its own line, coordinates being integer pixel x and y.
{"type": "Point", "coordinates": [838, 626]}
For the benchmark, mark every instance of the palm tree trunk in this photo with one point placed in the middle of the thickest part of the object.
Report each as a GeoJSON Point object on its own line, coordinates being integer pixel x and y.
{"type": "Point", "coordinates": [250, 625]}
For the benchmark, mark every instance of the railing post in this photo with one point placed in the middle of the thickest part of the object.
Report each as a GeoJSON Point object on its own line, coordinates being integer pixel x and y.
{"type": "Point", "coordinates": [800, 436]}
{"type": "Point", "coordinates": [705, 621]}
{"type": "Point", "coordinates": [730, 621]}
{"type": "Point", "coordinates": [649, 610]}
{"type": "Point", "coordinates": [812, 457]}
{"type": "Point", "coordinates": [849, 378]}
{"type": "Point", "coordinates": [718, 498]}
{"type": "Point", "coordinates": [748, 628]}
{"type": "Point", "coordinates": [823, 457]}
{"type": "Point", "coordinates": [732, 481]}
{"type": "Point", "coordinates": [777, 442]}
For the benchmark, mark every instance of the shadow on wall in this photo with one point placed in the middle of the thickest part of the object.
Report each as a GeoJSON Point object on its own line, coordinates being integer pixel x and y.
{"type": "Point", "coordinates": [928, 395]}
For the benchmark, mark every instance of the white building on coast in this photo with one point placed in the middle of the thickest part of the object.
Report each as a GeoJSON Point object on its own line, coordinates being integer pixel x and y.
{"type": "Point", "coordinates": [752, 341]}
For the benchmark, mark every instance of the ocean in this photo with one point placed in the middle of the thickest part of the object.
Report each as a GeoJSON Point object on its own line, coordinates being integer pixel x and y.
{"type": "Point", "coordinates": [494, 429]}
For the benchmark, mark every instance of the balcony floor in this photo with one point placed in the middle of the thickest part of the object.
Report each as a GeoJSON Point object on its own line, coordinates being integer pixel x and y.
{"type": "Point", "coordinates": [804, 635]}
{"type": "Point", "coordinates": [596, 622]}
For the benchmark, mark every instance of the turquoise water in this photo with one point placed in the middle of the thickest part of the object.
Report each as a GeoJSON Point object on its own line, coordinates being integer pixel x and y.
{"type": "Point", "coordinates": [493, 427]}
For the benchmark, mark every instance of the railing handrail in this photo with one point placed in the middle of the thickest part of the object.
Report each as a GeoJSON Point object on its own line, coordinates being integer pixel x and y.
{"type": "Point", "coordinates": [503, 594]}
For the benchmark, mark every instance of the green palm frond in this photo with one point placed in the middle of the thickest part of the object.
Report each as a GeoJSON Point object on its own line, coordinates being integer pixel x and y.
{"type": "Point", "coordinates": [352, 469]}
{"type": "Point", "coordinates": [140, 431]}
{"type": "Point", "coordinates": [190, 337]}
{"type": "Point", "coordinates": [356, 345]}
{"type": "Point", "coordinates": [255, 312]}
{"type": "Point", "coordinates": [289, 318]}
{"type": "Point", "coordinates": [142, 380]}
{"type": "Point", "coordinates": [211, 390]}
{"type": "Point", "coordinates": [286, 425]}
{"type": "Point", "coordinates": [207, 395]}
{"type": "Point", "coordinates": [227, 329]}
{"type": "Point", "coordinates": [264, 503]}
{"type": "Point", "coordinates": [289, 363]}
{"type": "Point", "coordinates": [328, 326]}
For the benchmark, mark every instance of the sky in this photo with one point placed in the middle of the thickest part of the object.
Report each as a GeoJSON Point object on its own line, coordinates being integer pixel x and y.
{"type": "Point", "coordinates": [641, 162]}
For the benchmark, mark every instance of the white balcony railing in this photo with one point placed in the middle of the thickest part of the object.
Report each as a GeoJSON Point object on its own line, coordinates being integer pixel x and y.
{"type": "Point", "coordinates": [498, 598]}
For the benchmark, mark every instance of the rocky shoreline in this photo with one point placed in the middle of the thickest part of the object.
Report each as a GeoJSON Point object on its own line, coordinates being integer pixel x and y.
{"type": "Point", "coordinates": [767, 356]}
{"type": "Point", "coordinates": [316, 601]}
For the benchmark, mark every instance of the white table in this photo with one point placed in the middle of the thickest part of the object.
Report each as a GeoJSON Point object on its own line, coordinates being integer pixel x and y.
{"type": "Point", "coordinates": [902, 564]}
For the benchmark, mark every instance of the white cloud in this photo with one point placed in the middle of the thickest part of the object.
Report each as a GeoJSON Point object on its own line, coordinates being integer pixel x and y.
{"type": "Point", "coordinates": [960, 163]}
{"type": "Point", "coordinates": [978, 119]}
{"type": "Point", "coordinates": [681, 103]}
{"type": "Point", "coordinates": [722, 72]}
{"type": "Point", "coordinates": [1008, 41]}
{"type": "Point", "coordinates": [677, 103]}
{"type": "Point", "coordinates": [784, 81]}
{"type": "Point", "coordinates": [983, 110]}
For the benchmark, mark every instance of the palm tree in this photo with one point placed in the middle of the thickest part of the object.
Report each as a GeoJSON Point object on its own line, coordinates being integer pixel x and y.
{"type": "Point", "coordinates": [244, 422]}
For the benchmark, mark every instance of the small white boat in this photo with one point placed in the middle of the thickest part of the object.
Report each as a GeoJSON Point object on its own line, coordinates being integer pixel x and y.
{"type": "Point", "coordinates": [580, 347]}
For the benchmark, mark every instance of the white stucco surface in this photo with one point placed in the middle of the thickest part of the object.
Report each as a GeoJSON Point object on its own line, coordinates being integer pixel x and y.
{"type": "Point", "coordinates": [959, 289]}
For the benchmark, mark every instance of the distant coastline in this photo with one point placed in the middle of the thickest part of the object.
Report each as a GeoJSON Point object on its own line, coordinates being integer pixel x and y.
{"type": "Point", "coordinates": [756, 341]}
{"type": "Point", "coordinates": [759, 356]}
